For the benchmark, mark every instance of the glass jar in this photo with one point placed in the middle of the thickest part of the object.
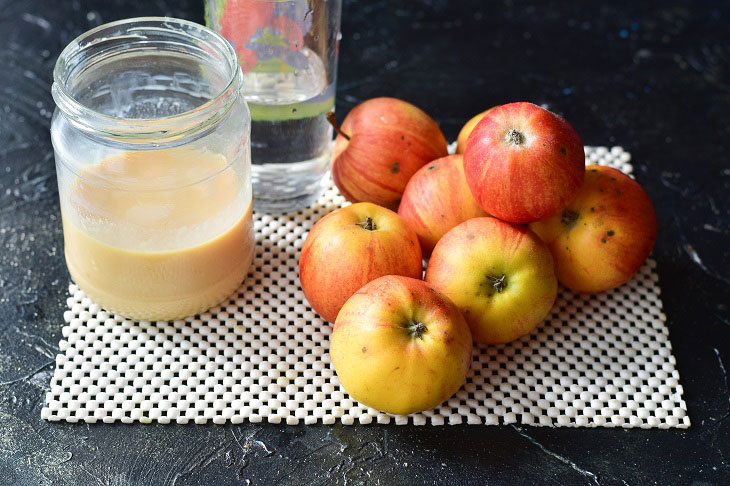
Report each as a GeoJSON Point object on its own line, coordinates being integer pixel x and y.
{"type": "Point", "coordinates": [288, 52]}
{"type": "Point", "coordinates": [151, 139]}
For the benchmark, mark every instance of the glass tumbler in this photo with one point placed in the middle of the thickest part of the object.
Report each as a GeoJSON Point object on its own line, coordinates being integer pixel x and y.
{"type": "Point", "coordinates": [288, 53]}
{"type": "Point", "coordinates": [151, 140]}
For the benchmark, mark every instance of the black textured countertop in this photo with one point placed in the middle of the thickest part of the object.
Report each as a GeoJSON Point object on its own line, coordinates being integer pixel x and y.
{"type": "Point", "coordinates": [654, 79]}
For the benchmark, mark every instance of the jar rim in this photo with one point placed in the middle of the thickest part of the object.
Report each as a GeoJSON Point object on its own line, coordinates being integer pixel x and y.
{"type": "Point", "coordinates": [143, 130]}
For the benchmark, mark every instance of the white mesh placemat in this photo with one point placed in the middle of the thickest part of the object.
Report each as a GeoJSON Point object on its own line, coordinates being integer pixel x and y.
{"type": "Point", "coordinates": [602, 360]}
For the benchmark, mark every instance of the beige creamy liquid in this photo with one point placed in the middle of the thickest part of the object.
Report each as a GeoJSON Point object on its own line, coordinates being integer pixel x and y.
{"type": "Point", "coordinates": [158, 254]}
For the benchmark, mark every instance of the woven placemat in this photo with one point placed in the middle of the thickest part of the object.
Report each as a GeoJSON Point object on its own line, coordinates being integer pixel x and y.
{"type": "Point", "coordinates": [598, 360]}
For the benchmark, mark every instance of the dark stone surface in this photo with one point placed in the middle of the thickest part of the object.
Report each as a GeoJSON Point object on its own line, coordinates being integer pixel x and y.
{"type": "Point", "coordinates": [652, 78]}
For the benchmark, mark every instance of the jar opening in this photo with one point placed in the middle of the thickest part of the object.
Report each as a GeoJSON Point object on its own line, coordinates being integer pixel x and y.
{"type": "Point", "coordinates": [146, 79]}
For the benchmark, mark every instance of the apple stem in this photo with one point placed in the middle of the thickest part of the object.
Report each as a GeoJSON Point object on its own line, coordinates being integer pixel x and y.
{"type": "Point", "coordinates": [368, 224]}
{"type": "Point", "coordinates": [498, 283]}
{"type": "Point", "coordinates": [332, 118]}
{"type": "Point", "coordinates": [515, 137]}
{"type": "Point", "coordinates": [569, 218]}
{"type": "Point", "coordinates": [417, 329]}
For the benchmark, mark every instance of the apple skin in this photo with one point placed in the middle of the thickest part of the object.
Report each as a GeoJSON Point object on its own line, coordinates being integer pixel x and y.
{"type": "Point", "coordinates": [523, 163]}
{"type": "Point", "coordinates": [468, 264]}
{"type": "Point", "coordinates": [385, 361]}
{"type": "Point", "coordinates": [604, 235]}
{"type": "Point", "coordinates": [467, 129]}
{"type": "Point", "coordinates": [389, 141]}
{"type": "Point", "coordinates": [436, 199]}
{"type": "Point", "coordinates": [339, 255]}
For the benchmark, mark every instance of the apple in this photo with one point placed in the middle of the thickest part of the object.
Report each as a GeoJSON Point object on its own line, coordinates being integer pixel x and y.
{"type": "Point", "coordinates": [350, 247]}
{"type": "Point", "coordinates": [604, 235]}
{"type": "Point", "coordinates": [436, 199]}
{"type": "Point", "coordinates": [467, 129]}
{"type": "Point", "coordinates": [523, 163]}
{"type": "Point", "coordinates": [500, 275]}
{"type": "Point", "coordinates": [399, 346]}
{"type": "Point", "coordinates": [380, 145]}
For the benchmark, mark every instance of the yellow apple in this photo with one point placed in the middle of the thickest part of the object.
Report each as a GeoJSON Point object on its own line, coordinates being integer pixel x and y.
{"type": "Point", "coordinates": [604, 235]}
{"type": "Point", "coordinates": [500, 275]}
{"type": "Point", "coordinates": [399, 346]}
{"type": "Point", "coordinates": [467, 129]}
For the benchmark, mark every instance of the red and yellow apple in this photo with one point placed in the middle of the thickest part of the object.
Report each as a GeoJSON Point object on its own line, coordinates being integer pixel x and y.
{"type": "Point", "coordinates": [350, 247]}
{"type": "Point", "coordinates": [381, 143]}
{"type": "Point", "coordinates": [399, 346]}
{"type": "Point", "coordinates": [467, 129]}
{"type": "Point", "coordinates": [436, 199]}
{"type": "Point", "coordinates": [500, 275]}
{"type": "Point", "coordinates": [604, 235]}
{"type": "Point", "coordinates": [523, 163]}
